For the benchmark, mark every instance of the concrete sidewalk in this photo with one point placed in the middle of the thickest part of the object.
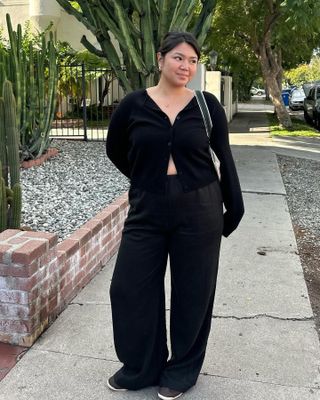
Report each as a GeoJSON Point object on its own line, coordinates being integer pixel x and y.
{"type": "Point", "coordinates": [263, 344]}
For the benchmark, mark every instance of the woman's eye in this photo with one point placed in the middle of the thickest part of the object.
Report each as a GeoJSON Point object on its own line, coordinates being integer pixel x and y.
{"type": "Point", "coordinates": [178, 58]}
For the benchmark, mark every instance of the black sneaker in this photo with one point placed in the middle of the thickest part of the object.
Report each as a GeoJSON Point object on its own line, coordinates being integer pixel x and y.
{"type": "Point", "coordinates": [114, 386]}
{"type": "Point", "coordinates": [166, 393]}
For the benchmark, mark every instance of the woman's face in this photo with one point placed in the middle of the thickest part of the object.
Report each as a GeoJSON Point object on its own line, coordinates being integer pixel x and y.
{"type": "Point", "coordinates": [179, 65]}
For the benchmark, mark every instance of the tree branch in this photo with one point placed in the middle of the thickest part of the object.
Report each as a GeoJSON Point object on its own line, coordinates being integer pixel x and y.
{"type": "Point", "coordinates": [90, 47]}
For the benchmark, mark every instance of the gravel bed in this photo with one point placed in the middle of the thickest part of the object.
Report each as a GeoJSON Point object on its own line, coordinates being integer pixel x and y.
{"type": "Point", "coordinates": [69, 189]}
{"type": "Point", "coordinates": [301, 178]}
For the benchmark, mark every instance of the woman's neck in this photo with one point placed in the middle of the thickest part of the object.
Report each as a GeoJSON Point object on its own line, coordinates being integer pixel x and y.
{"type": "Point", "coordinates": [165, 89]}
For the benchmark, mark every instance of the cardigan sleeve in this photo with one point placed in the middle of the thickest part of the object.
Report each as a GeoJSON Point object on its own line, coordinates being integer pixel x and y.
{"type": "Point", "coordinates": [117, 144]}
{"type": "Point", "coordinates": [230, 185]}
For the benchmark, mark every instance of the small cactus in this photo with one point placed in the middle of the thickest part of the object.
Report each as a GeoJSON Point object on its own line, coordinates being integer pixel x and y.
{"type": "Point", "coordinates": [10, 189]}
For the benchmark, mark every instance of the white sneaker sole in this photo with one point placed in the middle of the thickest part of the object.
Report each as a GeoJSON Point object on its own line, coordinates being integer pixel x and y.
{"type": "Point", "coordinates": [114, 388]}
{"type": "Point", "coordinates": [169, 398]}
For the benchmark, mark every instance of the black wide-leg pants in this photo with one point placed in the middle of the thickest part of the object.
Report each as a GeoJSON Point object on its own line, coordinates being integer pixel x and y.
{"type": "Point", "coordinates": [187, 227]}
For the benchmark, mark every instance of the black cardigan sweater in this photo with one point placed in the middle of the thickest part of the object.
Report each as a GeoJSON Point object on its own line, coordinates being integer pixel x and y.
{"type": "Point", "coordinates": [141, 138]}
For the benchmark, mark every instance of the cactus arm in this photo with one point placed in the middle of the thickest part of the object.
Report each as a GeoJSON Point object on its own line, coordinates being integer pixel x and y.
{"type": "Point", "coordinates": [204, 20]}
{"type": "Point", "coordinates": [87, 10]}
{"type": "Point", "coordinates": [183, 15]}
{"type": "Point", "coordinates": [15, 39]}
{"type": "Point", "coordinates": [12, 133]}
{"type": "Point", "coordinates": [147, 36]}
{"type": "Point", "coordinates": [164, 13]}
{"type": "Point", "coordinates": [80, 16]}
{"type": "Point", "coordinates": [3, 145]}
{"type": "Point", "coordinates": [113, 59]}
{"type": "Point", "coordinates": [52, 89]}
{"type": "Point", "coordinates": [16, 207]}
{"type": "Point", "coordinates": [3, 205]}
{"type": "Point", "coordinates": [124, 26]}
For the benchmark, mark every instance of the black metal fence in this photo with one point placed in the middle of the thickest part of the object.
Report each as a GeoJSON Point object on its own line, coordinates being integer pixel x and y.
{"type": "Point", "coordinates": [86, 100]}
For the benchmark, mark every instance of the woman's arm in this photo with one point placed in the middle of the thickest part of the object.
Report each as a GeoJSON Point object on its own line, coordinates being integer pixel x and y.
{"type": "Point", "coordinates": [230, 185]}
{"type": "Point", "coordinates": [117, 144]}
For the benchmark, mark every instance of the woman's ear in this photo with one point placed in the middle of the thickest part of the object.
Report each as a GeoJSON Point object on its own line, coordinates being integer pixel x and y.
{"type": "Point", "coordinates": [159, 59]}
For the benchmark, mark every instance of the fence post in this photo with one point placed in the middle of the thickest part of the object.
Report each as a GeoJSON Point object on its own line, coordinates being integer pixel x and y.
{"type": "Point", "coordinates": [83, 78]}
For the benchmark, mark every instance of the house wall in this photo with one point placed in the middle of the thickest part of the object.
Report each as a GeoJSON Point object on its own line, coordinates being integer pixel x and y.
{"type": "Point", "coordinates": [41, 13]}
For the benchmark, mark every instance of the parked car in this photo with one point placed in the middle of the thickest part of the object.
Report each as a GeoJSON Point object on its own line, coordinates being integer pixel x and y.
{"type": "Point", "coordinates": [257, 91]}
{"type": "Point", "coordinates": [311, 106]}
{"type": "Point", "coordinates": [296, 98]}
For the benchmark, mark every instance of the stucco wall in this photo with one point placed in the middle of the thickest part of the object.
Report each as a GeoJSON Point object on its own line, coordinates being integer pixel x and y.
{"type": "Point", "coordinates": [19, 13]}
{"type": "Point", "coordinates": [67, 27]}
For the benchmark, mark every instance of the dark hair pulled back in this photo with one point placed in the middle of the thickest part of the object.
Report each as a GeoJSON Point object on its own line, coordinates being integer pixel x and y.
{"type": "Point", "coordinates": [173, 39]}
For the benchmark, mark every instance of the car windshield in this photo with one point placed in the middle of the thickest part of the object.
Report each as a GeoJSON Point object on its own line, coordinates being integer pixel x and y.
{"type": "Point", "coordinates": [298, 93]}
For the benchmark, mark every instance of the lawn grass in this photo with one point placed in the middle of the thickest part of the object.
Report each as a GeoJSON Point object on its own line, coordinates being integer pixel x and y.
{"type": "Point", "coordinates": [300, 128]}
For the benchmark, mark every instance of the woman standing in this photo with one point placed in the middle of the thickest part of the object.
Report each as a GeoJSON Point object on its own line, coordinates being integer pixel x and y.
{"type": "Point", "coordinates": [157, 138]}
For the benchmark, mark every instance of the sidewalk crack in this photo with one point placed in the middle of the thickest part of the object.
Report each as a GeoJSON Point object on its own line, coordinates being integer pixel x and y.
{"type": "Point", "coordinates": [263, 193]}
{"type": "Point", "coordinates": [256, 316]}
{"type": "Point", "coordinates": [311, 388]}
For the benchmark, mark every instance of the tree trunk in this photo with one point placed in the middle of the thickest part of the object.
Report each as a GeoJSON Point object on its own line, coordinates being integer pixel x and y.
{"type": "Point", "coordinates": [270, 71]}
{"type": "Point", "coordinates": [275, 93]}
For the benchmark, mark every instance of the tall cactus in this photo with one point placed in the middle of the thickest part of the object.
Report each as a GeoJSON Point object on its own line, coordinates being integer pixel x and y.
{"type": "Point", "coordinates": [138, 26]}
{"type": "Point", "coordinates": [10, 188]}
{"type": "Point", "coordinates": [33, 72]}
{"type": "Point", "coordinates": [12, 139]}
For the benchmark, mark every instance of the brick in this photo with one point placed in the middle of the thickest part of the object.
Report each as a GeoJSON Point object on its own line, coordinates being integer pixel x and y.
{"type": "Point", "coordinates": [24, 284]}
{"type": "Point", "coordinates": [18, 270]}
{"type": "Point", "coordinates": [50, 237]}
{"type": "Point", "coordinates": [53, 281]}
{"type": "Point", "coordinates": [64, 268]}
{"type": "Point", "coordinates": [69, 247]}
{"type": "Point", "coordinates": [81, 235]}
{"type": "Point", "coordinates": [17, 326]}
{"type": "Point", "coordinates": [83, 251]}
{"type": "Point", "coordinates": [34, 294]}
{"type": "Point", "coordinates": [106, 239]}
{"type": "Point", "coordinates": [53, 267]}
{"type": "Point", "coordinates": [15, 311]}
{"type": "Point", "coordinates": [14, 297]}
{"type": "Point", "coordinates": [107, 228]}
{"type": "Point", "coordinates": [9, 233]}
{"type": "Point", "coordinates": [17, 240]}
{"type": "Point", "coordinates": [66, 280]}
{"type": "Point", "coordinates": [53, 305]}
{"type": "Point", "coordinates": [4, 249]}
{"type": "Point", "coordinates": [83, 261]}
{"type": "Point", "coordinates": [48, 256]}
{"type": "Point", "coordinates": [66, 292]}
{"type": "Point", "coordinates": [61, 256]}
{"type": "Point", "coordinates": [44, 313]}
{"type": "Point", "coordinates": [124, 205]}
{"type": "Point", "coordinates": [29, 251]}
{"type": "Point", "coordinates": [104, 216]}
{"type": "Point", "coordinates": [93, 225]}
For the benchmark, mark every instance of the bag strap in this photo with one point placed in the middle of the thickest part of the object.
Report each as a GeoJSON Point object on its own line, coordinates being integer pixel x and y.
{"type": "Point", "coordinates": [204, 111]}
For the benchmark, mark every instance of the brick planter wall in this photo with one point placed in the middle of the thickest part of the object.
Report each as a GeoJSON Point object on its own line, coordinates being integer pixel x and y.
{"type": "Point", "coordinates": [39, 277]}
{"type": "Point", "coordinates": [51, 152]}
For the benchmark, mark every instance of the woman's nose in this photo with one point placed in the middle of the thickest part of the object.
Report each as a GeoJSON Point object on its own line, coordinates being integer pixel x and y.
{"type": "Point", "coordinates": [184, 65]}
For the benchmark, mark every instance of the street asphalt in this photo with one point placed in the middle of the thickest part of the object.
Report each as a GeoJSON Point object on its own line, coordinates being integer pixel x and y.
{"type": "Point", "coordinates": [263, 344]}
